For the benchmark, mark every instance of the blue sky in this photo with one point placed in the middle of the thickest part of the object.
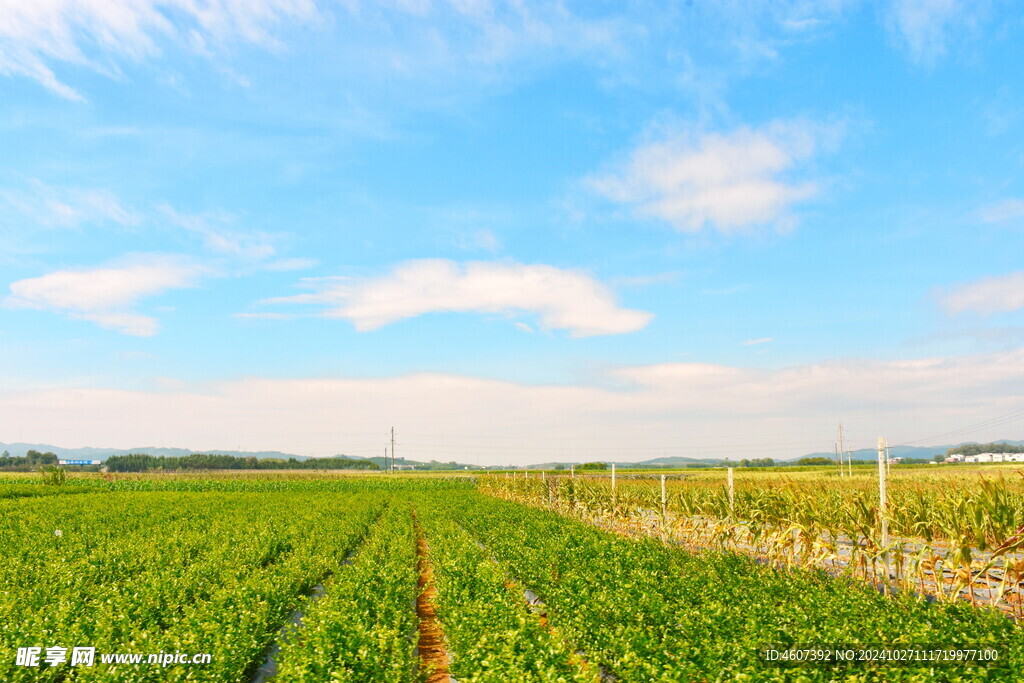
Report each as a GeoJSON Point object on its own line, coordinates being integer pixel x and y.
{"type": "Point", "coordinates": [516, 231]}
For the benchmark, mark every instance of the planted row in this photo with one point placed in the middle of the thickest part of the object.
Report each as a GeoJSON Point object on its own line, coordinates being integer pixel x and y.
{"type": "Point", "coordinates": [490, 633]}
{"type": "Point", "coordinates": [949, 534]}
{"type": "Point", "coordinates": [164, 572]}
{"type": "Point", "coordinates": [363, 627]}
{"type": "Point", "coordinates": [649, 612]}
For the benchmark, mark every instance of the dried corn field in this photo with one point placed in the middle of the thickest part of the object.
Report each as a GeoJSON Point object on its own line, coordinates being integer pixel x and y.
{"type": "Point", "coordinates": [953, 534]}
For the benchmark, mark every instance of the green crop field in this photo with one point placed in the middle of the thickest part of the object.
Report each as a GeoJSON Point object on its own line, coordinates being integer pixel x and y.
{"type": "Point", "coordinates": [392, 578]}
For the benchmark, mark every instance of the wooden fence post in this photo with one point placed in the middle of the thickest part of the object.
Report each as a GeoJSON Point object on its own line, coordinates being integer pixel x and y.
{"type": "Point", "coordinates": [614, 498]}
{"type": "Point", "coordinates": [732, 496]}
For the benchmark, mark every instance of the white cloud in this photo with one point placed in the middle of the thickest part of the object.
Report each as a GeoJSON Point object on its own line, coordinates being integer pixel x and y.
{"type": "Point", "coordinates": [998, 294]}
{"type": "Point", "coordinates": [1002, 211]}
{"type": "Point", "coordinates": [925, 28]}
{"type": "Point", "coordinates": [106, 296]}
{"type": "Point", "coordinates": [754, 342]}
{"type": "Point", "coordinates": [729, 181]}
{"type": "Point", "coordinates": [917, 392]}
{"type": "Point", "coordinates": [562, 299]}
{"type": "Point", "coordinates": [34, 35]}
{"type": "Point", "coordinates": [49, 206]}
{"type": "Point", "coordinates": [632, 413]}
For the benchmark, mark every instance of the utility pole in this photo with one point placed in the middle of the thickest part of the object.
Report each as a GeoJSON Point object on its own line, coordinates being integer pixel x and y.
{"type": "Point", "coordinates": [392, 450]}
{"type": "Point", "coordinates": [838, 458]}
{"type": "Point", "coordinates": [386, 456]}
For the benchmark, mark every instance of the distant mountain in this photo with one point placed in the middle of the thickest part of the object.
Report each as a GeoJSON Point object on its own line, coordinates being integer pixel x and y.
{"type": "Point", "coordinates": [920, 452]}
{"type": "Point", "coordinates": [656, 463]}
{"type": "Point", "coordinates": [676, 462]}
{"type": "Point", "coordinates": [89, 453]}
{"type": "Point", "coordinates": [894, 452]}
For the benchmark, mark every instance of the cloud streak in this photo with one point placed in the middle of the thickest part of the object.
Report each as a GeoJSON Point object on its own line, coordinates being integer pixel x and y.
{"type": "Point", "coordinates": [33, 35]}
{"type": "Point", "coordinates": [45, 205]}
{"type": "Point", "coordinates": [561, 299]}
{"type": "Point", "coordinates": [106, 296]}
{"type": "Point", "coordinates": [925, 28]}
{"type": "Point", "coordinates": [1003, 211]}
{"type": "Point", "coordinates": [210, 227]}
{"type": "Point", "coordinates": [999, 294]}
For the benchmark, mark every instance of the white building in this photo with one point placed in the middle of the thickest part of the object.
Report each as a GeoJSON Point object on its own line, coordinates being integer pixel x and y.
{"type": "Point", "coordinates": [994, 457]}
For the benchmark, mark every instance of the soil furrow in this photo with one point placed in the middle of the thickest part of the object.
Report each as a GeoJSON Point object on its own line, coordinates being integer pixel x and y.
{"type": "Point", "coordinates": [432, 651]}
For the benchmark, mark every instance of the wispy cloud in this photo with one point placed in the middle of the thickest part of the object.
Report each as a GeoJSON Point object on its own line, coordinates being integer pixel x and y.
{"type": "Point", "coordinates": [727, 181]}
{"type": "Point", "coordinates": [242, 249]}
{"type": "Point", "coordinates": [987, 296]}
{"type": "Point", "coordinates": [437, 41]}
{"type": "Point", "coordinates": [106, 296]}
{"type": "Point", "coordinates": [754, 342]}
{"type": "Point", "coordinates": [925, 28]}
{"type": "Point", "coordinates": [34, 35]}
{"type": "Point", "coordinates": [220, 239]}
{"type": "Point", "coordinates": [561, 299]}
{"type": "Point", "coordinates": [43, 205]}
{"type": "Point", "coordinates": [482, 240]}
{"type": "Point", "coordinates": [1002, 211]}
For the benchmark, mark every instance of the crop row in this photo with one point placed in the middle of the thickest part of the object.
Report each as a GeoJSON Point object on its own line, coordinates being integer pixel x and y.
{"type": "Point", "coordinates": [490, 634]}
{"type": "Point", "coordinates": [362, 628]}
{"type": "Point", "coordinates": [220, 572]}
{"type": "Point", "coordinates": [954, 535]}
{"type": "Point", "coordinates": [164, 573]}
{"type": "Point", "coordinates": [652, 612]}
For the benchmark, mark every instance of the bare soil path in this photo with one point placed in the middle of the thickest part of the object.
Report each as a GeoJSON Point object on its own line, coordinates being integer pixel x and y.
{"type": "Point", "coordinates": [432, 651]}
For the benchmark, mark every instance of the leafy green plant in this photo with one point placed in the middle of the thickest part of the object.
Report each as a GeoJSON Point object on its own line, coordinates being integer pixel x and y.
{"type": "Point", "coordinates": [53, 475]}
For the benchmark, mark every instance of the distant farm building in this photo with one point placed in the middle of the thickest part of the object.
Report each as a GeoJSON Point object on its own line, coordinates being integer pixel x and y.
{"type": "Point", "coordinates": [995, 457]}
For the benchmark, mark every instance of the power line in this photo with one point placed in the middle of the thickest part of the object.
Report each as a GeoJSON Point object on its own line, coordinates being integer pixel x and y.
{"type": "Point", "coordinates": [630, 449]}
{"type": "Point", "coordinates": [993, 422]}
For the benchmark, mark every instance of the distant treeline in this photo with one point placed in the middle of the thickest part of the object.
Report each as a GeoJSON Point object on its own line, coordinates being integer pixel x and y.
{"type": "Point", "coordinates": [199, 461]}
{"type": "Point", "coordinates": [746, 462]}
{"type": "Point", "coordinates": [816, 461]}
{"type": "Point", "coordinates": [32, 458]}
{"type": "Point", "coordinates": [978, 448]}
{"type": "Point", "coordinates": [757, 462]}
